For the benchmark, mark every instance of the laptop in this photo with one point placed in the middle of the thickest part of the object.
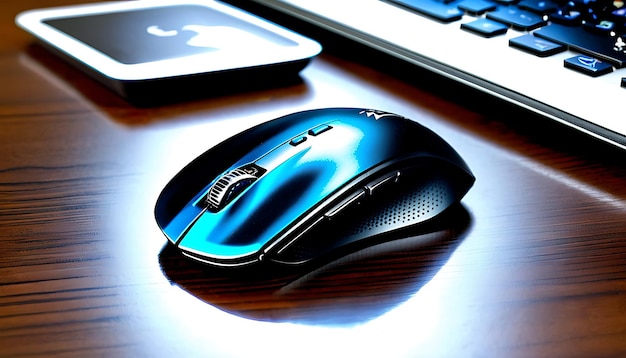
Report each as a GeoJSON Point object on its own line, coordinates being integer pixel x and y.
{"type": "Point", "coordinates": [562, 59]}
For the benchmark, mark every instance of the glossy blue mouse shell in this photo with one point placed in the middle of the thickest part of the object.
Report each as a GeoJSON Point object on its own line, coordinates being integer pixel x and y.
{"type": "Point", "coordinates": [310, 162]}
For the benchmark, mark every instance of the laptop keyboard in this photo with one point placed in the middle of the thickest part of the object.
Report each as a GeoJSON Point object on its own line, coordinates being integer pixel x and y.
{"type": "Point", "coordinates": [594, 28]}
{"type": "Point", "coordinates": [563, 59]}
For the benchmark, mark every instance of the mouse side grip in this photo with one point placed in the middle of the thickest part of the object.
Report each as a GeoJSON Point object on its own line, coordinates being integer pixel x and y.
{"type": "Point", "coordinates": [408, 205]}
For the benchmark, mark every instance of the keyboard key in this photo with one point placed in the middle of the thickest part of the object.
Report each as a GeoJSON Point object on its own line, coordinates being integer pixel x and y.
{"type": "Point", "coordinates": [566, 17]}
{"type": "Point", "coordinates": [516, 18]}
{"type": "Point", "coordinates": [538, 6]}
{"type": "Point", "coordinates": [619, 15]}
{"type": "Point", "coordinates": [298, 140]}
{"type": "Point", "coordinates": [536, 46]}
{"type": "Point", "coordinates": [588, 65]}
{"type": "Point", "coordinates": [445, 12]}
{"type": "Point", "coordinates": [603, 27]}
{"type": "Point", "coordinates": [476, 7]}
{"type": "Point", "coordinates": [485, 27]}
{"type": "Point", "coordinates": [605, 48]}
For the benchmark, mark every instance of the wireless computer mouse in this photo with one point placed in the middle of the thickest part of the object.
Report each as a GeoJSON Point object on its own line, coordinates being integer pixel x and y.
{"type": "Point", "coordinates": [307, 184]}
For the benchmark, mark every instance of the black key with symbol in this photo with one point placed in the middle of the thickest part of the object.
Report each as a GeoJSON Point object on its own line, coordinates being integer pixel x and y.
{"type": "Point", "coordinates": [588, 65]}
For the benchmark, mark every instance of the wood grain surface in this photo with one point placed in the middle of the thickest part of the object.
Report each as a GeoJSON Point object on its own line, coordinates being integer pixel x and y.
{"type": "Point", "coordinates": [532, 265]}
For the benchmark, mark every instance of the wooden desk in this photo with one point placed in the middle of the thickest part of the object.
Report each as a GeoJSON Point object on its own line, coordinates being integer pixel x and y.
{"type": "Point", "coordinates": [539, 269]}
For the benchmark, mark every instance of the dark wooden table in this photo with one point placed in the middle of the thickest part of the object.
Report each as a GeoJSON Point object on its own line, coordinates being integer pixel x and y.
{"type": "Point", "coordinates": [538, 268]}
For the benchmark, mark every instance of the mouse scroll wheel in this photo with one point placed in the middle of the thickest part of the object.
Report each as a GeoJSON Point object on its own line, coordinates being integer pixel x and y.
{"type": "Point", "coordinates": [230, 185]}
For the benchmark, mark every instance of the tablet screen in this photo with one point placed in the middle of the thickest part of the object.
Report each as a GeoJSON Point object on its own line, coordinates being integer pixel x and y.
{"type": "Point", "coordinates": [154, 34]}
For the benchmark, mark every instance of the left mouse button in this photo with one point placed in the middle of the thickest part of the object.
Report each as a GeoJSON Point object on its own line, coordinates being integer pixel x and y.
{"type": "Point", "coordinates": [230, 185]}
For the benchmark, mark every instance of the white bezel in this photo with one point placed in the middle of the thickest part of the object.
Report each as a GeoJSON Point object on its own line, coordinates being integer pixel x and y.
{"type": "Point", "coordinates": [33, 22]}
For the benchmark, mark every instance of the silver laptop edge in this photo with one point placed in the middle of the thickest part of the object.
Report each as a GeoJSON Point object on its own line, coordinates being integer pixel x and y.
{"type": "Point", "coordinates": [542, 85]}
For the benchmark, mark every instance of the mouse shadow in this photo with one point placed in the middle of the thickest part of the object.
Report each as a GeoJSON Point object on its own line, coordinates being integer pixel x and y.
{"type": "Point", "coordinates": [353, 288]}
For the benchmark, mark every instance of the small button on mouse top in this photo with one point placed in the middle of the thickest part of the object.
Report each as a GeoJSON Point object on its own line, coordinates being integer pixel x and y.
{"type": "Point", "coordinates": [298, 140]}
{"type": "Point", "coordinates": [319, 129]}
{"type": "Point", "coordinates": [313, 132]}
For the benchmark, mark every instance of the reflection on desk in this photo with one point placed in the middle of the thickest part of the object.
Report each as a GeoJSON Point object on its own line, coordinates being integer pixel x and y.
{"type": "Point", "coordinates": [334, 291]}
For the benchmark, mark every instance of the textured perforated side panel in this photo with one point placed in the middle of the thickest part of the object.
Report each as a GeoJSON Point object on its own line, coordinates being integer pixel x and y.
{"type": "Point", "coordinates": [412, 201]}
{"type": "Point", "coordinates": [411, 207]}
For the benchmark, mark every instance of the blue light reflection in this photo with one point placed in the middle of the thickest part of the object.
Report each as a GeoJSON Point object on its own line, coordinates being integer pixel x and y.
{"type": "Point", "coordinates": [298, 177]}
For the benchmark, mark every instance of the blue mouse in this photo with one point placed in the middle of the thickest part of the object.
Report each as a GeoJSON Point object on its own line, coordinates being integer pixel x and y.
{"type": "Point", "coordinates": [309, 183]}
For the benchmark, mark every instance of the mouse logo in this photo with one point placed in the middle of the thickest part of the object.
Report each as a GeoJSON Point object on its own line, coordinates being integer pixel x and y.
{"type": "Point", "coordinates": [158, 32]}
{"type": "Point", "coordinates": [377, 114]}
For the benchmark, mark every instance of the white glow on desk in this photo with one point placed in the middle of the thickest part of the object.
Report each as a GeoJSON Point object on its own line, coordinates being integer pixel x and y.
{"type": "Point", "coordinates": [394, 334]}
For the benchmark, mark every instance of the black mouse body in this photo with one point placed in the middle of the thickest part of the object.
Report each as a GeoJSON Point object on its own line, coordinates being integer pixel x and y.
{"type": "Point", "coordinates": [356, 173]}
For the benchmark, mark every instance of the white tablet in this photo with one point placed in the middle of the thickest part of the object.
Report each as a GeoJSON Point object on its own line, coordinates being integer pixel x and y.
{"type": "Point", "coordinates": [139, 47]}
